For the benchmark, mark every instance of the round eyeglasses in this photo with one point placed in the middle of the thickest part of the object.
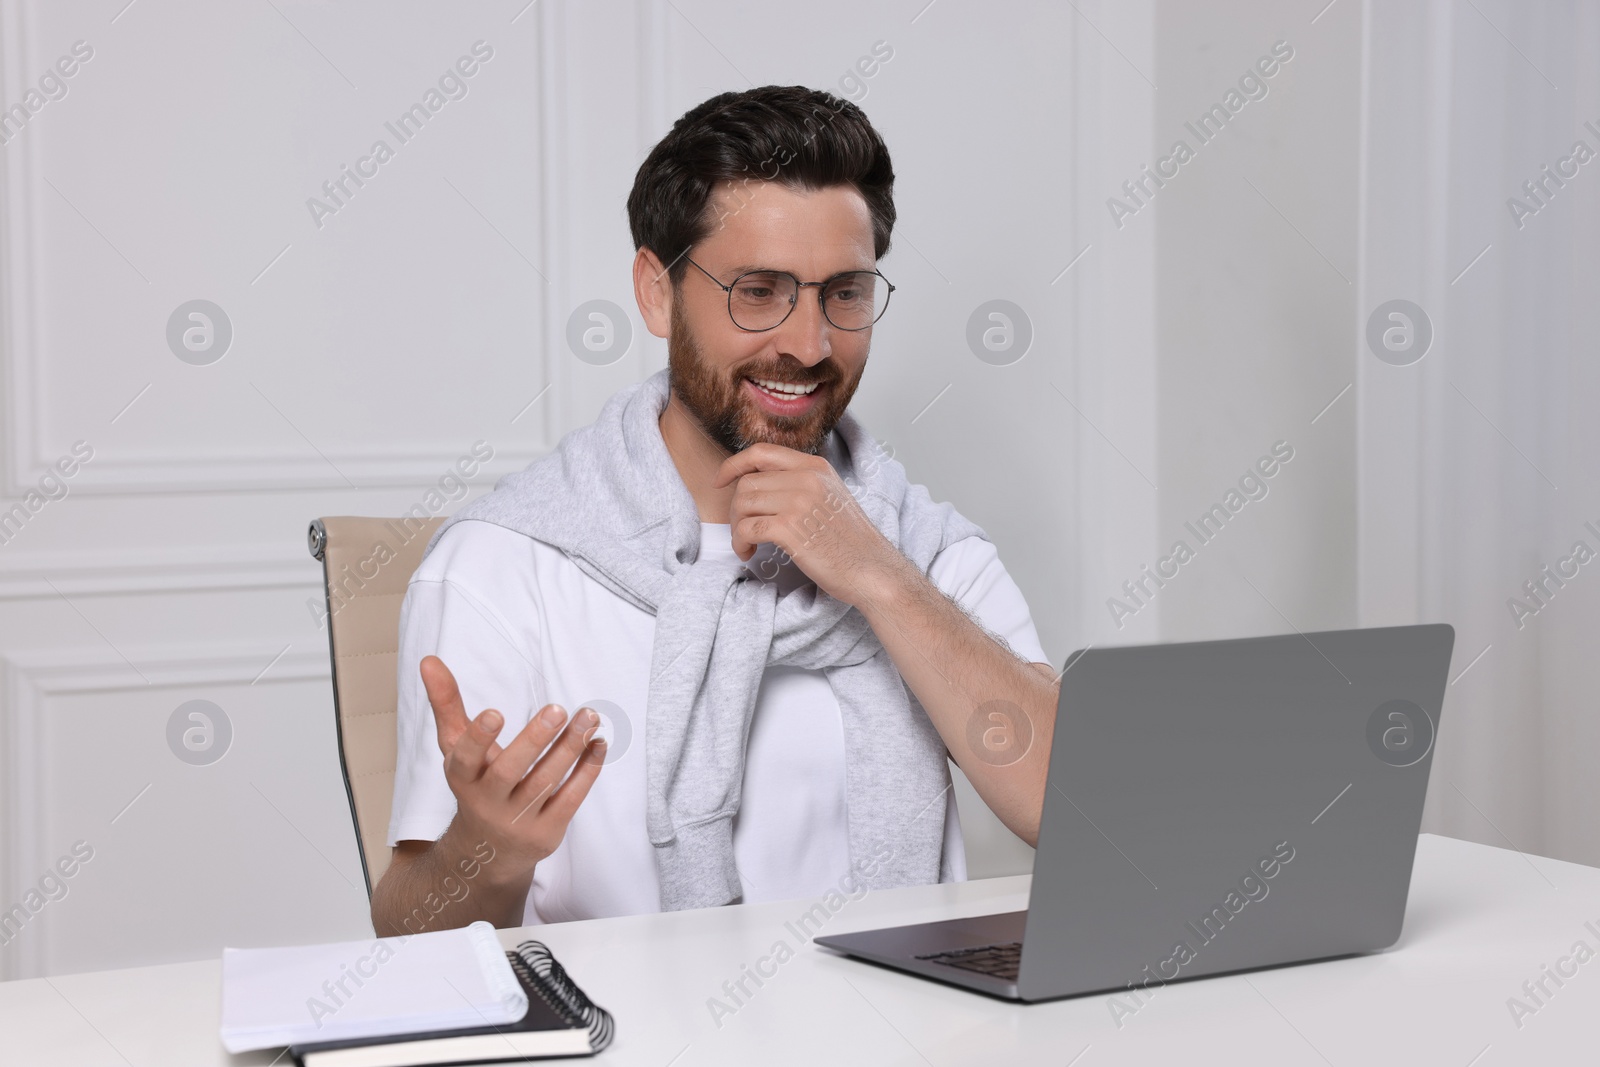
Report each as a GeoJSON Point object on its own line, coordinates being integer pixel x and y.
{"type": "Point", "coordinates": [760, 300]}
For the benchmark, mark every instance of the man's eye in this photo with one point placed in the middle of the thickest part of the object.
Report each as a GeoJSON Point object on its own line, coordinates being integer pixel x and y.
{"type": "Point", "coordinates": [755, 292]}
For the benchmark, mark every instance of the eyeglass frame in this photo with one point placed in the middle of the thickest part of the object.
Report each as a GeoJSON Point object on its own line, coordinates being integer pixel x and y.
{"type": "Point", "coordinates": [821, 304]}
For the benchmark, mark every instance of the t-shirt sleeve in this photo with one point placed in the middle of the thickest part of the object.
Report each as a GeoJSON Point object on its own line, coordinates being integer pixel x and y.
{"type": "Point", "coordinates": [970, 571]}
{"type": "Point", "coordinates": [449, 611]}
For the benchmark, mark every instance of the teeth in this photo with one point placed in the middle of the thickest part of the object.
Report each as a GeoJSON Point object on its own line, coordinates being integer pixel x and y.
{"type": "Point", "coordinates": [786, 388]}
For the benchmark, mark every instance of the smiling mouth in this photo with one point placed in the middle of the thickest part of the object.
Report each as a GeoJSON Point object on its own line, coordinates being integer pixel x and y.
{"type": "Point", "coordinates": [780, 399]}
{"type": "Point", "coordinates": [783, 389]}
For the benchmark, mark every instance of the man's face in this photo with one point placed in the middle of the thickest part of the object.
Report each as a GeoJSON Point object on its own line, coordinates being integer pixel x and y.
{"type": "Point", "coordinates": [712, 363]}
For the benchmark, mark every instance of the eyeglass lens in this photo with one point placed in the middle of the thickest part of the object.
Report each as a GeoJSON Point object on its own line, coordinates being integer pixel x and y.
{"type": "Point", "coordinates": [761, 300]}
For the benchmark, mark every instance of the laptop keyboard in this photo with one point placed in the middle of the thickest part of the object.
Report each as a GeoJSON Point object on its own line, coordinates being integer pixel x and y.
{"type": "Point", "coordinates": [997, 961]}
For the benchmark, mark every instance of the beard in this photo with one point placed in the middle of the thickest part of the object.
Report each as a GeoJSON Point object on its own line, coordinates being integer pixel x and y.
{"type": "Point", "coordinates": [728, 415]}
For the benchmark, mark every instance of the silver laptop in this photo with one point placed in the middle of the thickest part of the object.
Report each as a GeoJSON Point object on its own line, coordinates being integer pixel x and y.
{"type": "Point", "coordinates": [1213, 806]}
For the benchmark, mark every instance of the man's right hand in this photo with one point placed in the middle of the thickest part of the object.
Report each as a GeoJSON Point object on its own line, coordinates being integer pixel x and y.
{"type": "Point", "coordinates": [511, 796]}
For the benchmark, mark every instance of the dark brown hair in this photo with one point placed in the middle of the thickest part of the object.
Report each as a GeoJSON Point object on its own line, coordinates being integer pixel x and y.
{"type": "Point", "coordinates": [804, 138]}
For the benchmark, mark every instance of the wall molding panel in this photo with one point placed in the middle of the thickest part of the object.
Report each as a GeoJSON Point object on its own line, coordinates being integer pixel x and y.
{"type": "Point", "coordinates": [30, 681]}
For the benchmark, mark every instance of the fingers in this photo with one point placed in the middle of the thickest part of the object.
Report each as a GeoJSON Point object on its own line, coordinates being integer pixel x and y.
{"type": "Point", "coordinates": [474, 748]}
{"type": "Point", "coordinates": [449, 714]}
{"type": "Point", "coordinates": [517, 771]}
{"type": "Point", "coordinates": [510, 766]}
{"type": "Point", "coordinates": [555, 763]}
{"type": "Point", "coordinates": [564, 802]}
{"type": "Point", "coordinates": [762, 456]}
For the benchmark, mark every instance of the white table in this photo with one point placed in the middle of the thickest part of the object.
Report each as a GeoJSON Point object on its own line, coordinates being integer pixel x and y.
{"type": "Point", "coordinates": [1481, 921]}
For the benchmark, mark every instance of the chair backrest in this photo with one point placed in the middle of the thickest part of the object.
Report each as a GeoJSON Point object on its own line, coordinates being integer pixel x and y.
{"type": "Point", "coordinates": [366, 565]}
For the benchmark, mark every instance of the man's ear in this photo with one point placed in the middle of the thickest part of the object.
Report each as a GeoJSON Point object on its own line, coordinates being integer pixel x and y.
{"type": "Point", "coordinates": [653, 290]}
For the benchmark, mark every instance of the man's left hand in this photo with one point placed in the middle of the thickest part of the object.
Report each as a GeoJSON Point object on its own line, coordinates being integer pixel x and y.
{"type": "Point", "coordinates": [798, 502]}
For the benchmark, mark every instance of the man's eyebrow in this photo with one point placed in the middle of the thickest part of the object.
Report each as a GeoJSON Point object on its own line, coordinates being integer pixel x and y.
{"type": "Point", "coordinates": [745, 268]}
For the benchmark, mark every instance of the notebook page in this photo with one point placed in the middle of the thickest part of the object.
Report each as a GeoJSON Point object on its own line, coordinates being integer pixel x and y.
{"type": "Point", "coordinates": [440, 980]}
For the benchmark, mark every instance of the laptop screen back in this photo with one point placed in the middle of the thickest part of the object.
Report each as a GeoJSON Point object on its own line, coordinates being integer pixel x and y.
{"type": "Point", "coordinates": [1220, 805]}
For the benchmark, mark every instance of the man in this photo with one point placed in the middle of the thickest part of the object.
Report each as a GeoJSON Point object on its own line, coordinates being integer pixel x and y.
{"type": "Point", "coordinates": [793, 636]}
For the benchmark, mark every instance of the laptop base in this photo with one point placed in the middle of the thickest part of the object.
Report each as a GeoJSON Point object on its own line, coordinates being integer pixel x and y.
{"type": "Point", "coordinates": [901, 947]}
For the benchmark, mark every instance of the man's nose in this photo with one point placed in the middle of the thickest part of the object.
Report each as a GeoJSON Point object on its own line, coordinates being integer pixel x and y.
{"type": "Point", "coordinates": [805, 334]}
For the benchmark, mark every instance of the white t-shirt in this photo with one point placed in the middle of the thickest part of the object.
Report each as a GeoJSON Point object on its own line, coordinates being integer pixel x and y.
{"type": "Point", "coordinates": [521, 626]}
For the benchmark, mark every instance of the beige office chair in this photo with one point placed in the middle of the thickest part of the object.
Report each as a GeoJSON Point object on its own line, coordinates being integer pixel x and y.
{"type": "Point", "coordinates": [366, 565]}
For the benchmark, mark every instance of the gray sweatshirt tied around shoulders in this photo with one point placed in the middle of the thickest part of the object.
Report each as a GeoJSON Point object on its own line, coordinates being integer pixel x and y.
{"type": "Point", "coordinates": [610, 497]}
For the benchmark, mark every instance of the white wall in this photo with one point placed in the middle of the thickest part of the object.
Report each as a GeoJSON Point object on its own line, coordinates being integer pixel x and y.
{"type": "Point", "coordinates": [1255, 268]}
{"type": "Point", "coordinates": [1478, 464]}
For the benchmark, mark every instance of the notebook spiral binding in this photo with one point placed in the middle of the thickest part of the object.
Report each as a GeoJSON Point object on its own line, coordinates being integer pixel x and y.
{"type": "Point", "coordinates": [559, 991]}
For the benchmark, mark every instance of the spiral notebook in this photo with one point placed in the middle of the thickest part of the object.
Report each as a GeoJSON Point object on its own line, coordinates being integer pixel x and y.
{"type": "Point", "coordinates": [560, 1021]}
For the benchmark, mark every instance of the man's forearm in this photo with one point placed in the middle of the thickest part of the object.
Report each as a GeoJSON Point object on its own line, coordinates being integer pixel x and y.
{"type": "Point", "coordinates": [449, 883]}
{"type": "Point", "coordinates": [972, 688]}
